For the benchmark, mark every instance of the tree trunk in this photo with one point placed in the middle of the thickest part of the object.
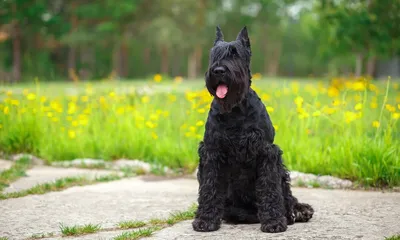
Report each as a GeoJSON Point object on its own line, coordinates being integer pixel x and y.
{"type": "Point", "coordinates": [16, 40]}
{"type": "Point", "coordinates": [164, 60]}
{"type": "Point", "coordinates": [71, 59]}
{"type": "Point", "coordinates": [116, 56]}
{"type": "Point", "coordinates": [273, 64]}
{"type": "Point", "coordinates": [72, 49]}
{"type": "Point", "coordinates": [192, 65]}
{"type": "Point", "coordinates": [199, 55]}
{"type": "Point", "coordinates": [359, 64]}
{"type": "Point", "coordinates": [124, 60]}
{"type": "Point", "coordinates": [371, 63]}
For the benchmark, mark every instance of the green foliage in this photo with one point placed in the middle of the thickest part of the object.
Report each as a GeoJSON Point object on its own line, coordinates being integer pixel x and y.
{"type": "Point", "coordinates": [165, 128]}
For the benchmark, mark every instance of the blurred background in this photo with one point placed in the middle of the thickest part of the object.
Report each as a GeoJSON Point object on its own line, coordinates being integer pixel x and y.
{"type": "Point", "coordinates": [61, 40]}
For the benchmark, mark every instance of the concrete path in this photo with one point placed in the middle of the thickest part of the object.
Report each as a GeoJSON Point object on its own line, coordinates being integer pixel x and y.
{"type": "Point", "coordinates": [338, 214]}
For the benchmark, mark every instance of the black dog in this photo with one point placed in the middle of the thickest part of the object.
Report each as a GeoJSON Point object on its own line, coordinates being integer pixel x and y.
{"type": "Point", "coordinates": [241, 174]}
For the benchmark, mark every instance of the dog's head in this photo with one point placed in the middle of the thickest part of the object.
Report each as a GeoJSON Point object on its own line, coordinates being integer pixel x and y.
{"type": "Point", "coordinates": [228, 77]}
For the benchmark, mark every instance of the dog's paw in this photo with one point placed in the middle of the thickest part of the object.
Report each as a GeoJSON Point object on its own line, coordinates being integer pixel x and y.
{"type": "Point", "coordinates": [200, 225]}
{"type": "Point", "coordinates": [303, 212]}
{"type": "Point", "coordinates": [274, 226]}
{"type": "Point", "coordinates": [291, 218]}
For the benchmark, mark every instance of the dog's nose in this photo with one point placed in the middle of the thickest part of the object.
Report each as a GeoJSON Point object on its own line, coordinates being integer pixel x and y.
{"type": "Point", "coordinates": [219, 70]}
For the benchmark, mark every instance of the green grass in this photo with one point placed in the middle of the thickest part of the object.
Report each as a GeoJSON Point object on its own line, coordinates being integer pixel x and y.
{"type": "Point", "coordinates": [41, 235]}
{"type": "Point", "coordinates": [60, 184]}
{"type": "Point", "coordinates": [395, 237]}
{"type": "Point", "coordinates": [3, 238]}
{"type": "Point", "coordinates": [131, 224]}
{"type": "Point", "coordinates": [79, 230]}
{"type": "Point", "coordinates": [16, 171]}
{"type": "Point", "coordinates": [322, 127]}
{"type": "Point", "coordinates": [146, 232]}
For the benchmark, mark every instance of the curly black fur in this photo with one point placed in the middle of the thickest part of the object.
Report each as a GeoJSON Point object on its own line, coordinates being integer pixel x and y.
{"type": "Point", "coordinates": [242, 178]}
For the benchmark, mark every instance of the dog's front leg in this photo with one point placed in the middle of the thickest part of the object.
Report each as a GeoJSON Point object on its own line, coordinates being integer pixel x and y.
{"type": "Point", "coordinates": [270, 202]}
{"type": "Point", "coordinates": [212, 192]}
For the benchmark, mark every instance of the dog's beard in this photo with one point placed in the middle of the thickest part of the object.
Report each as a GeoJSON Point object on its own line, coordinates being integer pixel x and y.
{"type": "Point", "coordinates": [230, 89]}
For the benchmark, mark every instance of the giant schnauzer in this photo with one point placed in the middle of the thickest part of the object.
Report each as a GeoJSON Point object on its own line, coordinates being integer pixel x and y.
{"type": "Point", "coordinates": [242, 178]}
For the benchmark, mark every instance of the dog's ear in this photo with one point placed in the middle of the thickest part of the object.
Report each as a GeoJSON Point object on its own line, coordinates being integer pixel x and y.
{"type": "Point", "coordinates": [219, 36]}
{"type": "Point", "coordinates": [243, 36]}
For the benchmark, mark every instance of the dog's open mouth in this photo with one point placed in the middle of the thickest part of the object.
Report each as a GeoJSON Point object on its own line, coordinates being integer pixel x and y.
{"type": "Point", "coordinates": [221, 91]}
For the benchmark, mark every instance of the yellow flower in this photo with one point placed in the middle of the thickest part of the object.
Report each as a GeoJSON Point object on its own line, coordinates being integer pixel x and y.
{"type": "Point", "coordinates": [9, 93]}
{"type": "Point", "coordinates": [178, 79]}
{"type": "Point", "coordinates": [298, 101]}
{"type": "Point", "coordinates": [276, 127]}
{"type": "Point", "coordinates": [270, 109]}
{"type": "Point", "coordinates": [150, 124]}
{"type": "Point", "coordinates": [257, 76]}
{"type": "Point", "coordinates": [171, 98]}
{"type": "Point", "coordinates": [336, 102]}
{"type": "Point", "coordinates": [120, 110]}
{"type": "Point", "coordinates": [350, 116]}
{"type": "Point", "coordinates": [43, 99]}
{"type": "Point", "coordinates": [375, 124]}
{"type": "Point", "coordinates": [145, 99]}
{"type": "Point", "coordinates": [55, 119]}
{"type": "Point", "coordinates": [390, 108]}
{"type": "Point", "coordinates": [83, 122]}
{"type": "Point", "coordinates": [112, 94]}
{"type": "Point", "coordinates": [265, 97]}
{"type": "Point", "coordinates": [192, 129]}
{"type": "Point", "coordinates": [154, 135]}
{"type": "Point", "coordinates": [201, 110]}
{"type": "Point", "coordinates": [398, 106]}
{"type": "Point", "coordinates": [157, 78]}
{"type": "Point", "coordinates": [74, 123]}
{"type": "Point", "coordinates": [31, 96]}
{"type": "Point", "coordinates": [84, 98]}
{"type": "Point", "coordinates": [200, 123]}
{"type": "Point", "coordinates": [6, 110]}
{"type": "Point", "coordinates": [396, 116]}
{"type": "Point", "coordinates": [25, 92]}
{"type": "Point", "coordinates": [71, 107]}
{"type": "Point", "coordinates": [49, 114]}
{"type": "Point", "coordinates": [316, 114]}
{"type": "Point", "coordinates": [373, 105]}
{"type": "Point", "coordinates": [333, 92]}
{"type": "Point", "coordinates": [14, 102]}
{"type": "Point", "coordinates": [71, 134]}
{"type": "Point", "coordinates": [328, 110]}
{"type": "Point", "coordinates": [184, 126]}
{"type": "Point", "coordinates": [358, 106]}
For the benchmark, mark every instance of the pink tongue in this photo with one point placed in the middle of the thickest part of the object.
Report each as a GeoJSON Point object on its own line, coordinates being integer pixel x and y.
{"type": "Point", "coordinates": [222, 90]}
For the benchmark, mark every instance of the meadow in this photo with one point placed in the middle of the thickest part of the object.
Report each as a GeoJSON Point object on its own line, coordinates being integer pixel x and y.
{"type": "Point", "coordinates": [345, 127]}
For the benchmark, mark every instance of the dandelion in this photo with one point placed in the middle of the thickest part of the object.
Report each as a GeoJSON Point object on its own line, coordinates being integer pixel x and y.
{"type": "Point", "coordinates": [298, 101]}
{"type": "Point", "coordinates": [6, 110]}
{"type": "Point", "coordinates": [31, 96]}
{"type": "Point", "coordinates": [373, 105]}
{"type": "Point", "coordinates": [145, 99]}
{"type": "Point", "coordinates": [398, 106]}
{"type": "Point", "coordinates": [257, 76]}
{"type": "Point", "coordinates": [84, 98]}
{"type": "Point", "coordinates": [200, 123]}
{"type": "Point", "coordinates": [316, 114]}
{"type": "Point", "coordinates": [201, 110]}
{"type": "Point", "coordinates": [111, 94]}
{"type": "Point", "coordinates": [74, 123]}
{"type": "Point", "coordinates": [276, 127]}
{"type": "Point", "coordinates": [49, 114]}
{"type": "Point", "coordinates": [178, 79]}
{"type": "Point", "coordinates": [154, 135]}
{"type": "Point", "coordinates": [265, 97]}
{"type": "Point", "coordinates": [396, 116]}
{"type": "Point", "coordinates": [171, 98]}
{"type": "Point", "coordinates": [150, 124]}
{"type": "Point", "coordinates": [390, 108]}
{"type": "Point", "coordinates": [157, 78]}
{"type": "Point", "coordinates": [333, 92]}
{"type": "Point", "coordinates": [270, 109]}
{"type": "Point", "coordinates": [55, 119]}
{"type": "Point", "coordinates": [71, 134]}
{"type": "Point", "coordinates": [14, 102]}
{"type": "Point", "coordinates": [376, 124]}
{"type": "Point", "coordinates": [358, 106]}
{"type": "Point", "coordinates": [350, 116]}
{"type": "Point", "coordinates": [9, 93]}
{"type": "Point", "coordinates": [192, 129]}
